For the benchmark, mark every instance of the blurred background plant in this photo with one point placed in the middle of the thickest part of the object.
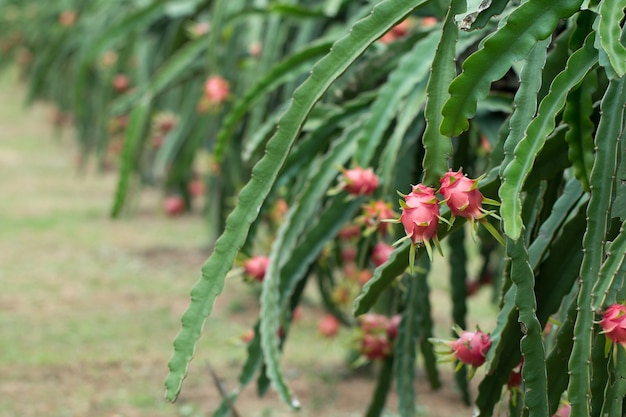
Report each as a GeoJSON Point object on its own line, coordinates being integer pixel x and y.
{"type": "Point", "coordinates": [326, 110]}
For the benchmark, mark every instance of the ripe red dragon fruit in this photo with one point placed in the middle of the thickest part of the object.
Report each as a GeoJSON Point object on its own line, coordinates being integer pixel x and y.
{"type": "Point", "coordinates": [375, 346]}
{"type": "Point", "coordinates": [358, 181]}
{"type": "Point", "coordinates": [374, 217]}
{"type": "Point", "coordinates": [469, 349]}
{"type": "Point", "coordinates": [256, 266]}
{"type": "Point", "coordinates": [328, 326]}
{"type": "Point", "coordinates": [121, 83]}
{"type": "Point", "coordinates": [420, 214]}
{"type": "Point", "coordinates": [392, 326]}
{"type": "Point", "coordinates": [420, 218]}
{"type": "Point", "coordinates": [196, 187]}
{"type": "Point", "coordinates": [174, 205]}
{"type": "Point", "coordinates": [377, 335]}
{"type": "Point", "coordinates": [380, 253]}
{"type": "Point", "coordinates": [613, 324]}
{"type": "Point", "coordinates": [464, 199]}
{"type": "Point", "coordinates": [516, 376]}
{"type": "Point", "coordinates": [462, 195]}
{"type": "Point", "coordinates": [216, 90]}
{"type": "Point", "coordinates": [372, 323]}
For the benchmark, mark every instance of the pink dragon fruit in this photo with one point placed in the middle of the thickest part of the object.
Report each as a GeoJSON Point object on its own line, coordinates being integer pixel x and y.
{"type": "Point", "coordinates": [469, 349]}
{"type": "Point", "coordinates": [464, 199]}
{"type": "Point", "coordinates": [420, 218]}
{"type": "Point", "coordinates": [174, 205]}
{"type": "Point", "coordinates": [380, 253]}
{"type": "Point", "coordinates": [374, 217]}
{"type": "Point", "coordinates": [375, 346]}
{"type": "Point", "coordinates": [328, 326]}
{"type": "Point", "coordinates": [462, 195]}
{"type": "Point", "coordinates": [613, 324]}
{"type": "Point", "coordinates": [420, 214]}
{"type": "Point", "coordinates": [377, 335]}
{"type": "Point", "coordinates": [216, 90]}
{"type": "Point", "coordinates": [256, 266]}
{"type": "Point", "coordinates": [373, 323]}
{"type": "Point", "coordinates": [358, 181]}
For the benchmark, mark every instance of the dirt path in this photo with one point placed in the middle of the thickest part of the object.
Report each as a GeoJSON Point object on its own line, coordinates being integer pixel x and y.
{"type": "Point", "coordinates": [89, 306]}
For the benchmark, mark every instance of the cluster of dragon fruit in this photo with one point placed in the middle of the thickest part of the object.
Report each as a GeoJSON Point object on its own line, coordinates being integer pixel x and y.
{"type": "Point", "coordinates": [421, 215]}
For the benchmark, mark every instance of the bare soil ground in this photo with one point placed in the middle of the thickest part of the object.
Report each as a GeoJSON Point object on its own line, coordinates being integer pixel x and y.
{"type": "Point", "coordinates": [89, 306]}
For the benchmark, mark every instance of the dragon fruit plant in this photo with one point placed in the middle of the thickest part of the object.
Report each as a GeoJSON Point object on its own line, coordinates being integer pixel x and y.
{"type": "Point", "coordinates": [528, 98]}
{"type": "Point", "coordinates": [458, 105]}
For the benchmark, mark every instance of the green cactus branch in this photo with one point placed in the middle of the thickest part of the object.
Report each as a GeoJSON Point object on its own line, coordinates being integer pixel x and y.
{"type": "Point", "coordinates": [438, 147]}
{"type": "Point", "coordinates": [533, 21]}
{"type": "Point", "coordinates": [601, 184]}
{"type": "Point", "coordinates": [525, 102]}
{"type": "Point", "coordinates": [515, 174]}
{"type": "Point", "coordinates": [531, 346]}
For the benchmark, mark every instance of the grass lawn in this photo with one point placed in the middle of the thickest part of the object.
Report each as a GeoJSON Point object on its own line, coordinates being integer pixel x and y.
{"type": "Point", "coordinates": [89, 306]}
